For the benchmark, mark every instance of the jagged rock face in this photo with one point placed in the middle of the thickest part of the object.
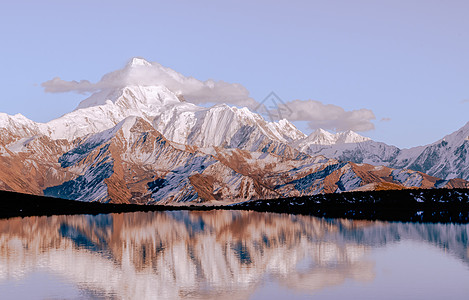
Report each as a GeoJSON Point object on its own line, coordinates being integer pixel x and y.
{"type": "Point", "coordinates": [31, 164]}
{"type": "Point", "coordinates": [224, 126]}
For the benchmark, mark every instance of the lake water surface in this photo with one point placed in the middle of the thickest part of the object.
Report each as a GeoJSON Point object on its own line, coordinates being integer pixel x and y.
{"type": "Point", "coordinates": [230, 255]}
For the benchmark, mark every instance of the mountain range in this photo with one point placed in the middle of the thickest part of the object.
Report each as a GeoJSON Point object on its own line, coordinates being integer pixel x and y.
{"type": "Point", "coordinates": [446, 158]}
{"type": "Point", "coordinates": [145, 144]}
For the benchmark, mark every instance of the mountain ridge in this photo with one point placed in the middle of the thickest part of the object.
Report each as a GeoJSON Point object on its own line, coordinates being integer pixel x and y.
{"type": "Point", "coordinates": [447, 158]}
{"type": "Point", "coordinates": [134, 163]}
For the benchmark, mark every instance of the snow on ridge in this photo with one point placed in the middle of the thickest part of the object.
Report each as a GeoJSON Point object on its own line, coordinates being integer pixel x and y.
{"type": "Point", "coordinates": [350, 137]}
{"type": "Point", "coordinates": [17, 119]}
{"type": "Point", "coordinates": [141, 95]}
{"type": "Point", "coordinates": [220, 124]}
{"type": "Point", "coordinates": [105, 109]}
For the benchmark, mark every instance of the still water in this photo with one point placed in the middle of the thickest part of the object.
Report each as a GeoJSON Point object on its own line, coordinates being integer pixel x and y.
{"type": "Point", "coordinates": [230, 255]}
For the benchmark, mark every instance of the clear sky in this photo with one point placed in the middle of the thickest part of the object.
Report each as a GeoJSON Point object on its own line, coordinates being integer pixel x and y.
{"type": "Point", "coordinates": [406, 61]}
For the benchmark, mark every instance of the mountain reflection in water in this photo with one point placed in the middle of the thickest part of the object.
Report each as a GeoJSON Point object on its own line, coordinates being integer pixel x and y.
{"type": "Point", "coordinates": [207, 254]}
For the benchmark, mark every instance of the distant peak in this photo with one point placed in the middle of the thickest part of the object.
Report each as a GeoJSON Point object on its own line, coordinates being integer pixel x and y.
{"type": "Point", "coordinates": [321, 137]}
{"type": "Point", "coordinates": [18, 115]}
{"type": "Point", "coordinates": [350, 136]}
{"type": "Point", "coordinates": [284, 122]}
{"type": "Point", "coordinates": [324, 137]}
{"type": "Point", "coordinates": [138, 61]}
{"type": "Point", "coordinates": [320, 130]}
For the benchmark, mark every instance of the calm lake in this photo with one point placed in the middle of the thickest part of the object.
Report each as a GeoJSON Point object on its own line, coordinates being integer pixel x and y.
{"type": "Point", "coordinates": [230, 255]}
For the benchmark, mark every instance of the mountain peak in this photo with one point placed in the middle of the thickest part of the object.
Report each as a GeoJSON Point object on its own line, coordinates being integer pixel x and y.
{"type": "Point", "coordinates": [324, 137]}
{"type": "Point", "coordinates": [138, 61]}
{"type": "Point", "coordinates": [350, 136]}
{"type": "Point", "coordinates": [321, 137]}
{"type": "Point", "coordinates": [322, 131]}
{"type": "Point", "coordinates": [132, 96]}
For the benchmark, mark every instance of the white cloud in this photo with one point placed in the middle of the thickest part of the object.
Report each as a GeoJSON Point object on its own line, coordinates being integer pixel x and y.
{"type": "Point", "coordinates": [141, 72]}
{"type": "Point", "coordinates": [58, 85]}
{"type": "Point", "coordinates": [329, 116]}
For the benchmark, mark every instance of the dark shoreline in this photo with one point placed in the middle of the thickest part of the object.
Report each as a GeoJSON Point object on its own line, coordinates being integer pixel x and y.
{"type": "Point", "coordinates": [415, 205]}
{"type": "Point", "coordinates": [25, 205]}
{"type": "Point", "coordinates": [435, 205]}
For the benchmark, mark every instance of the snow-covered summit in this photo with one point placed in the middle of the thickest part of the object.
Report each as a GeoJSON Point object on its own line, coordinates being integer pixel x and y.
{"type": "Point", "coordinates": [350, 136]}
{"type": "Point", "coordinates": [323, 137]}
{"type": "Point", "coordinates": [138, 61]}
{"type": "Point", "coordinates": [140, 80]}
{"type": "Point", "coordinates": [105, 109]}
{"type": "Point", "coordinates": [132, 97]}
{"type": "Point", "coordinates": [16, 127]}
{"type": "Point", "coordinates": [320, 137]}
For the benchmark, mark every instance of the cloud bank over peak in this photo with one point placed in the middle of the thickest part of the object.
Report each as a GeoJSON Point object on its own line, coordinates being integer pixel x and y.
{"type": "Point", "coordinates": [141, 72]}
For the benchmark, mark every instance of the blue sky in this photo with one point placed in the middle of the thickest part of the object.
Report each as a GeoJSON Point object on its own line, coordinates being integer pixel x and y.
{"type": "Point", "coordinates": [404, 60]}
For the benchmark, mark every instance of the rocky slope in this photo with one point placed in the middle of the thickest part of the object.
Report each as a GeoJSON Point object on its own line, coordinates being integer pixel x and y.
{"type": "Point", "coordinates": [134, 163]}
{"type": "Point", "coordinates": [447, 158]}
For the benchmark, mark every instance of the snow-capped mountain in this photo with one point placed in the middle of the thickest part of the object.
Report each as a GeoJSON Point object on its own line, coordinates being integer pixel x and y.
{"type": "Point", "coordinates": [446, 158]}
{"type": "Point", "coordinates": [177, 120]}
{"type": "Point", "coordinates": [134, 163]}
{"type": "Point", "coordinates": [323, 137]}
{"type": "Point", "coordinates": [370, 152]}
{"type": "Point", "coordinates": [142, 143]}
{"type": "Point", "coordinates": [222, 125]}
